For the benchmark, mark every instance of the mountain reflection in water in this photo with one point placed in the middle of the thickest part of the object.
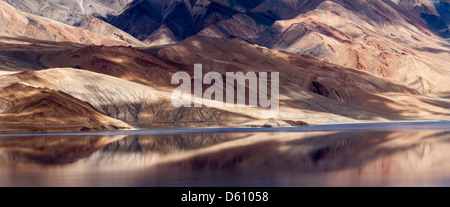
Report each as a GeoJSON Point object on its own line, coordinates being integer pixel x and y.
{"type": "Point", "coordinates": [270, 158]}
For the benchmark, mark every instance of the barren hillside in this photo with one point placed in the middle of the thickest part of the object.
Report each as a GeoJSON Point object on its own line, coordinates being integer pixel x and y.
{"type": "Point", "coordinates": [16, 23]}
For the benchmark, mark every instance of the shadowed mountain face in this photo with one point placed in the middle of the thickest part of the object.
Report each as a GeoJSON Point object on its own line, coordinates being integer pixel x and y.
{"type": "Point", "coordinates": [225, 18]}
{"type": "Point", "coordinates": [250, 20]}
{"type": "Point", "coordinates": [436, 13]}
{"type": "Point", "coordinates": [440, 23]}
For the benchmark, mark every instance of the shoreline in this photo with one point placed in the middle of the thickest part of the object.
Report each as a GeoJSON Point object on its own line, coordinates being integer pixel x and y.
{"type": "Point", "coordinates": [397, 125]}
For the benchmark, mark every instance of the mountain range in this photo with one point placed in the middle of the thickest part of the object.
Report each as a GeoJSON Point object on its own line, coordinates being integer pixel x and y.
{"type": "Point", "coordinates": [339, 61]}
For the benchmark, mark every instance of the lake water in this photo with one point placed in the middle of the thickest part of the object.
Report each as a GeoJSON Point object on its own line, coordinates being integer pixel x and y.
{"type": "Point", "coordinates": [389, 154]}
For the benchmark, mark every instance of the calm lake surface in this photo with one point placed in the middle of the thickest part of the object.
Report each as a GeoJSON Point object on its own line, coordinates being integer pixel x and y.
{"type": "Point", "coordinates": [387, 154]}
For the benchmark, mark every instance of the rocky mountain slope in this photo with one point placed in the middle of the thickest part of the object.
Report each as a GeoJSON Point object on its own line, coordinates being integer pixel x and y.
{"type": "Point", "coordinates": [299, 73]}
{"type": "Point", "coordinates": [16, 23]}
{"type": "Point", "coordinates": [385, 38]}
{"type": "Point", "coordinates": [71, 12]}
{"type": "Point", "coordinates": [33, 109]}
{"type": "Point", "coordinates": [373, 38]}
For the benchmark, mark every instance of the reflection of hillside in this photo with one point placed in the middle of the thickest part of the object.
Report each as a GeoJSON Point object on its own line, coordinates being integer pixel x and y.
{"type": "Point", "coordinates": [227, 158]}
{"type": "Point", "coordinates": [149, 150]}
{"type": "Point", "coordinates": [50, 150]}
{"type": "Point", "coordinates": [166, 144]}
{"type": "Point", "coordinates": [57, 150]}
{"type": "Point", "coordinates": [366, 152]}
